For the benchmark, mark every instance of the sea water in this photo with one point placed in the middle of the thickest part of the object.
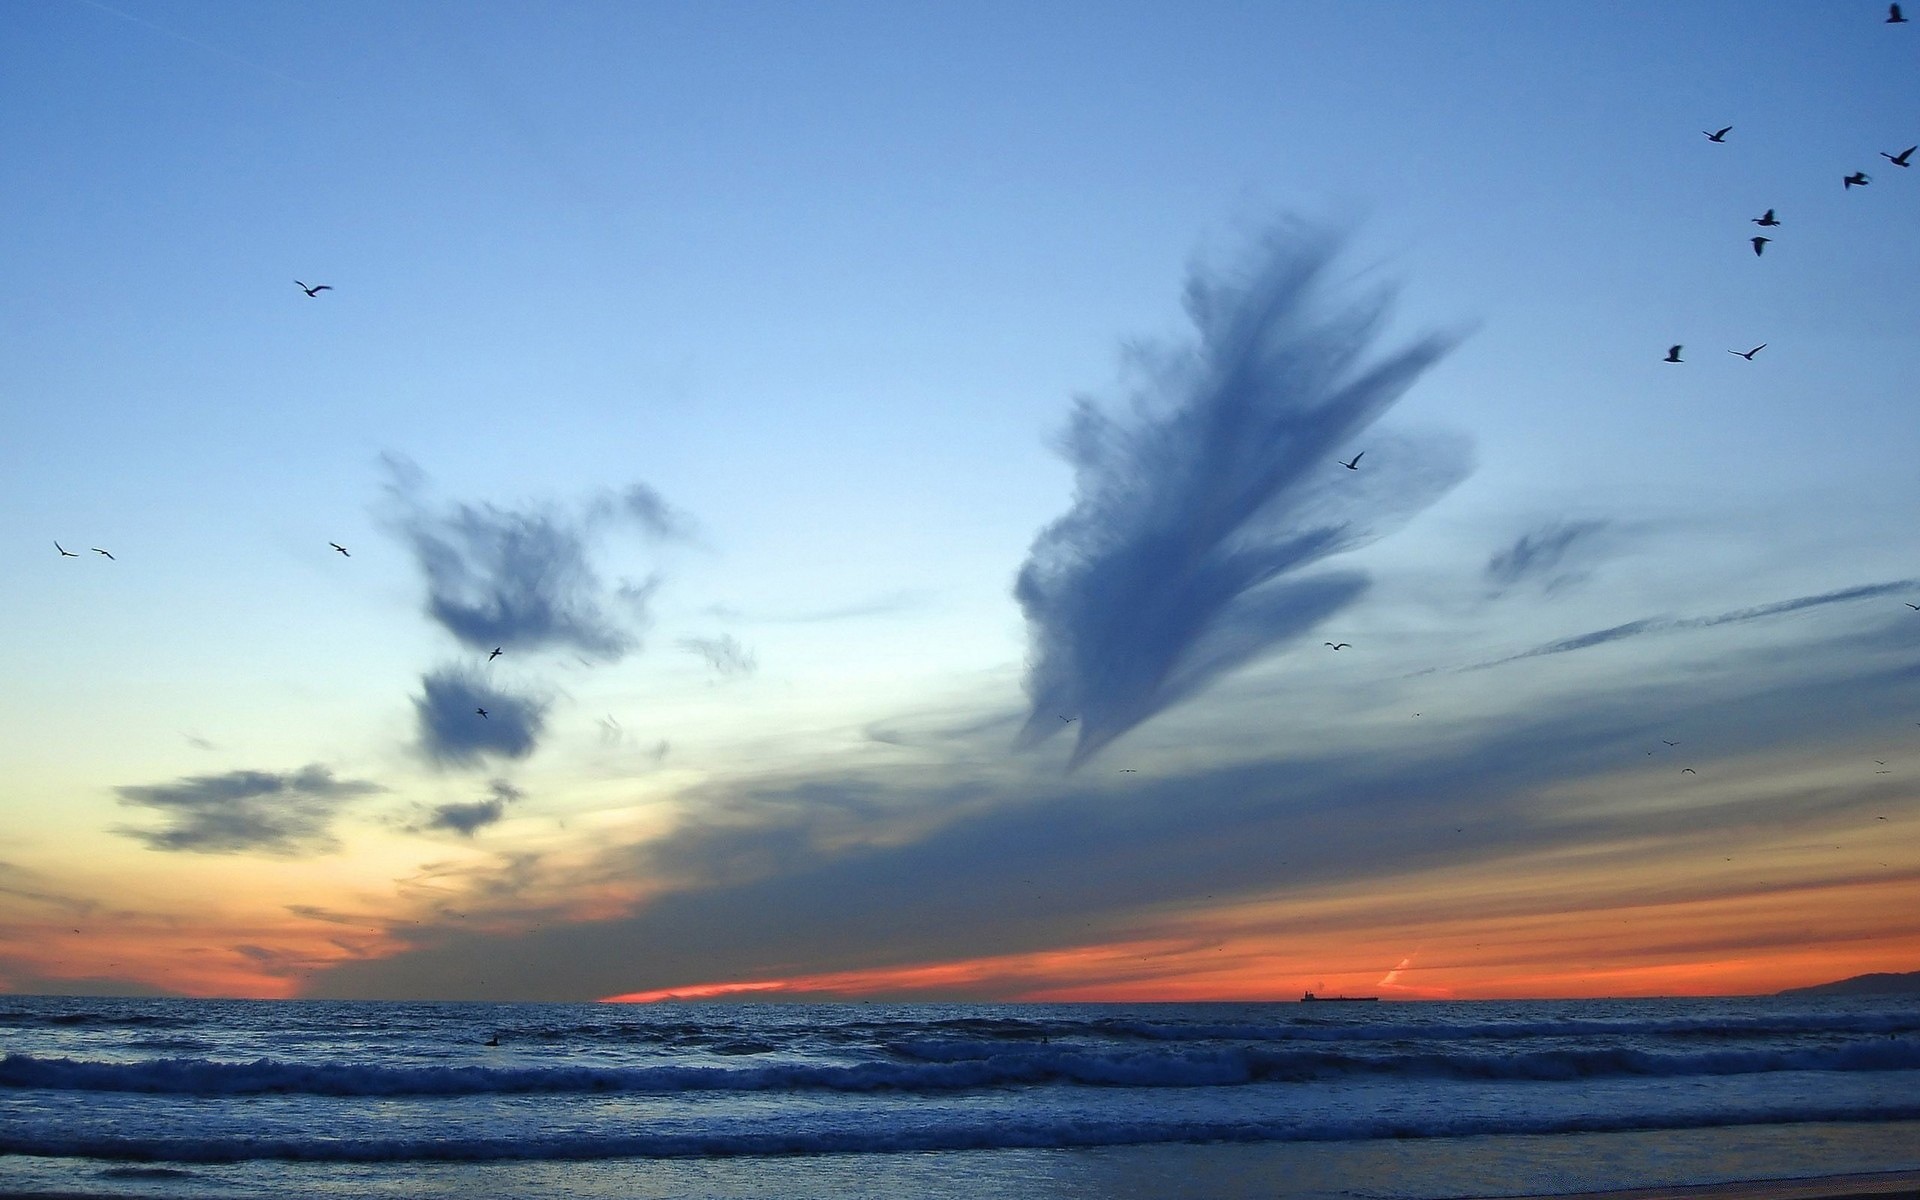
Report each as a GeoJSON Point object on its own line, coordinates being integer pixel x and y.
{"type": "Point", "coordinates": [178, 1098]}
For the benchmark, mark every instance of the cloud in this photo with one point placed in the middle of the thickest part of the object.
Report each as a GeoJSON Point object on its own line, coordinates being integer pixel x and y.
{"type": "Point", "coordinates": [524, 578]}
{"type": "Point", "coordinates": [247, 811]}
{"type": "Point", "coordinates": [654, 514]}
{"type": "Point", "coordinates": [1196, 512]}
{"type": "Point", "coordinates": [1552, 555]}
{"type": "Point", "coordinates": [468, 819]}
{"type": "Point", "coordinates": [728, 658]}
{"type": "Point", "coordinates": [855, 870]}
{"type": "Point", "coordinates": [452, 731]}
{"type": "Point", "coordinates": [1738, 616]}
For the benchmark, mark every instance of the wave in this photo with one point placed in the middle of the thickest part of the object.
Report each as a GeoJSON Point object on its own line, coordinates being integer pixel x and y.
{"type": "Point", "coordinates": [1002, 1134]}
{"type": "Point", "coordinates": [936, 1066]}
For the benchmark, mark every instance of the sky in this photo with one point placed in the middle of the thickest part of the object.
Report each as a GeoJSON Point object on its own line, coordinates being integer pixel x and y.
{"type": "Point", "coordinates": [988, 501]}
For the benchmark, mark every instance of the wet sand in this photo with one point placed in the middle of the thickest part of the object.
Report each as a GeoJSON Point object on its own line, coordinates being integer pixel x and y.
{"type": "Point", "coordinates": [1891, 1185]}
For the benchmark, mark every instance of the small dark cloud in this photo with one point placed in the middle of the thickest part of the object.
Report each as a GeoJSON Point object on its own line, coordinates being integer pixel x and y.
{"type": "Point", "coordinates": [246, 811]}
{"type": "Point", "coordinates": [1738, 616]}
{"type": "Point", "coordinates": [728, 658]}
{"type": "Point", "coordinates": [468, 819]}
{"type": "Point", "coordinates": [524, 577]}
{"type": "Point", "coordinates": [452, 731]}
{"type": "Point", "coordinates": [1196, 512]}
{"type": "Point", "coordinates": [654, 515]}
{"type": "Point", "coordinates": [1555, 555]}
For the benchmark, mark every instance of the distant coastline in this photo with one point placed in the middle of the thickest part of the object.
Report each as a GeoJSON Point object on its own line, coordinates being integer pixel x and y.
{"type": "Point", "coordinates": [1879, 984]}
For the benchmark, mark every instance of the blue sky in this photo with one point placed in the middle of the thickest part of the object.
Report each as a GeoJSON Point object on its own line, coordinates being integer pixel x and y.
{"type": "Point", "coordinates": [828, 282]}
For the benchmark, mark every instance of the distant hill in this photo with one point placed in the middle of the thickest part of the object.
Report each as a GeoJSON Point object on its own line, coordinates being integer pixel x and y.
{"type": "Point", "coordinates": [1882, 984]}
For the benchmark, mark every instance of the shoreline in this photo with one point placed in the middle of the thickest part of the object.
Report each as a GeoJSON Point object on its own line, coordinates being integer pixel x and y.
{"type": "Point", "coordinates": [1891, 1185]}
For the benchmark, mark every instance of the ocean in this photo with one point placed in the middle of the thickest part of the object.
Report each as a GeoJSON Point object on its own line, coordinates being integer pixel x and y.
{"type": "Point", "coordinates": [243, 1099]}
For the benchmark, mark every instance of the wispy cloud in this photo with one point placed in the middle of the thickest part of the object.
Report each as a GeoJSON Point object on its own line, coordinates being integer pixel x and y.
{"type": "Point", "coordinates": [728, 658]}
{"type": "Point", "coordinates": [1197, 511]}
{"type": "Point", "coordinates": [524, 577]}
{"type": "Point", "coordinates": [1738, 616]}
{"type": "Point", "coordinates": [1555, 555]}
{"type": "Point", "coordinates": [469, 818]}
{"type": "Point", "coordinates": [454, 733]}
{"type": "Point", "coordinates": [246, 811]}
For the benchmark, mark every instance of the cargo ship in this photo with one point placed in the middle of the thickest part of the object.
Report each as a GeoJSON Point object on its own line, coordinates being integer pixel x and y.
{"type": "Point", "coordinates": [1310, 998]}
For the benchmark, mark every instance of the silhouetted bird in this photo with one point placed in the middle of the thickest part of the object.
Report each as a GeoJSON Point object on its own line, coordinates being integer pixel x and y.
{"type": "Point", "coordinates": [494, 1040]}
{"type": "Point", "coordinates": [341, 549]}
{"type": "Point", "coordinates": [98, 550]}
{"type": "Point", "coordinates": [1338, 645]}
{"type": "Point", "coordinates": [1914, 607]}
{"type": "Point", "coordinates": [1673, 354]}
{"type": "Point", "coordinates": [1354, 463]}
{"type": "Point", "coordinates": [316, 289]}
{"type": "Point", "coordinates": [494, 655]}
{"type": "Point", "coordinates": [1893, 15]}
{"type": "Point", "coordinates": [1721, 136]}
{"type": "Point", "coordinates": [1857, 179]}
{"type": "Point", "coordinates": [1900, 159]}
{"type": "Point", "coordinates": [1748, 354]}
{"type": "Point", "coordinates": [1767, 220]}
{"type": "Point", "coordinates": [1759, 244]}
{"type": "Point", "coordinates": [1069, 720]}
{"type": "Point", "coordinates": [1669, 743]}
{"type": "Point", "coordinates": [64, 552]}
{"type": "Point", "coordinates": [481, 711]}
{"type": "Point", "coordinates": [1688, 771]}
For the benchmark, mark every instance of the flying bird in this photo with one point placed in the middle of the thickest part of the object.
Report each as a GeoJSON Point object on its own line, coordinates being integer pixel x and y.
{"type": "Point", "coordinates": [481, 711]}
{"type": "Point", "coordinates": [1669, 743]}
{"type": "Point", "coordinates": [315, 290]}
{"type": "Point", "coordinates": [1338, 645]}
{"type": "Point", "coordinates": [341, 549]}
{"type": "Point", "coordinates": [1900, 159]}
{"type": "Point", "coordinates": [1673, 354]}
{"type": "Point", "coordinates": [64, 552]}
{"type": "Point", "coordinates": [1069, 720]}
{"type": "Point", "coordinates": [1748, 354]}
{"type": "Point", "coordinates": [98, 550]}
{"type": "Point", "coordinates": [1353, 464]}
{"type": "Point", "coordinates": [1893, 15]}
{"type": "Point", "coordinates": [1766, 220]}
{"type": "Point", "coordinates": [494, 655]}
{"type": "Point", "coordinates": [1721, 136]}
{"type": "Point", "coordinates": [1857, 179]}
{"type": "Point", "coordinates": [1759, 244]}
{"type": "Point", "coordinates": [1688, 771]}
{"type": "Point", "coordinates": [1914, 607]}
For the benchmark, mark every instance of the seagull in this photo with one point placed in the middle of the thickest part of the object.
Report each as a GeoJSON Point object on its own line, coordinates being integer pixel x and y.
{"type": "Point", "coordinates": [1673, 354]}
{"type": "Point", "coordinates": [1354, 463]}
{"type": "Point", "coordinates": [1688, 771]}
{"type": "Point", "coordinates": [1857, 179]}
{"type": "Point", "coordinates": [494, 655]}
{"type": "Point", "coordinates": [315, 290]}
{"type": "Point", "coordinates": [1338, 646]}
{"type": "Point", "coordinates": [1760, 244]}
{"type": "Point", "coordinates": [98, 550]}
{"type": "Point", "coordinates": [1720, 136]}
{"type": "Point", "coordinates": [1914, 607]}
{"type": "Point", "coordinates": [1766, 220]}
{"type": "Point", "coordinates": [1900, 159]}
{"type": "Point", "coordinates": [1670, 743]}
{"type": "Point", "coordinates": [1879, 762]}
{"type": "Point", "coordinates": [64, 552]}
{"type": "Point", "coordinates": [1748, 354]}
{"type": "Point", "coordinates": [481, 711]}
{"type": "Point", "coordinates": [1893, 15]}
{"type": "Point", "coordinates": [341, 549]}
{"type": "Point", "coordinates": [1069, 720]}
